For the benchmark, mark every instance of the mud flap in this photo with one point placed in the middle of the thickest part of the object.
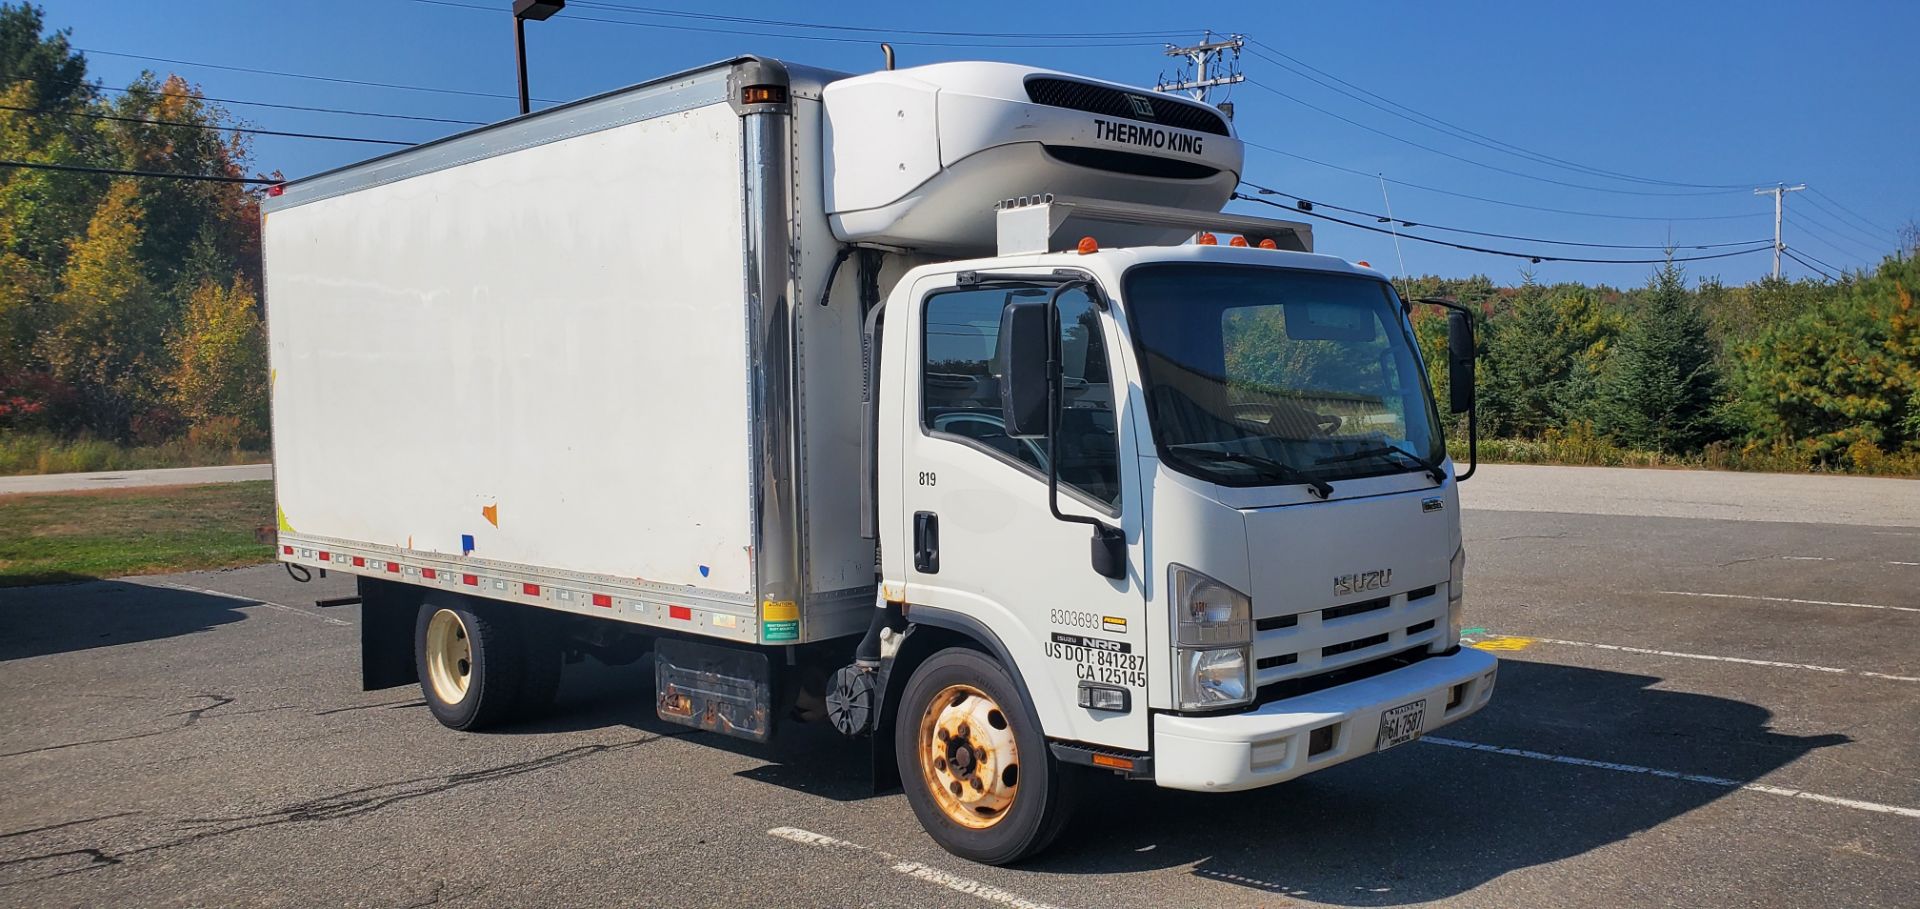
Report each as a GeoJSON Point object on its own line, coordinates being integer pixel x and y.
{"type": "Point", "coordinates": [719, 689]}
{"type": "Point", "coordinates": [387, 615]}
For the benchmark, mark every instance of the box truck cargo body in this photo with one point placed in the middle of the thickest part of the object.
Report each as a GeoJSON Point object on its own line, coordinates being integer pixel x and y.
{"type": "Point", "coordinates": [806, 387]}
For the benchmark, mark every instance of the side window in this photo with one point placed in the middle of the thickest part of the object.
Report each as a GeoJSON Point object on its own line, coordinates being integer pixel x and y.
{"type": "Point", "coordinates": [960, 385]}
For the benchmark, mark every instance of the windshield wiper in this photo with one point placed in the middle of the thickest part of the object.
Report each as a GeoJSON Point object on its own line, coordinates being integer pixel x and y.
{"type": "Point", "coordinates": [1285, 471]}
{"type": "Point", "coordinates": [1433, 470]}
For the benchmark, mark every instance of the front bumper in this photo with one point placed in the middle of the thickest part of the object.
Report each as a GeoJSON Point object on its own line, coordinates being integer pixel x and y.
{"type": "Point", "coordinates": [1269, 745]}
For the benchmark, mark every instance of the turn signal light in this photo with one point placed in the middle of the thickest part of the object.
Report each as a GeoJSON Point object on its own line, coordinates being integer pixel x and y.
{"type": "Point", "coordinates": [1089, 245]}
{"type": "Point", "coordinates": [763, 94]}
{"type": "Point", "coordinates": [1207, 239]}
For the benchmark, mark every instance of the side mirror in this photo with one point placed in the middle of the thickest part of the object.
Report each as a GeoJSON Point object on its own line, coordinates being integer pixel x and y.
{"type": "Point", "coordinates": [1460, 350]}
{"type": "Point", "coordinates": [1026, 336]}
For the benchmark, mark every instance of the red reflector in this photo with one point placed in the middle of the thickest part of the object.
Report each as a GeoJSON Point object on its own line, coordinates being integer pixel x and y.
{"type": "Point", "coordinates": [471, 580]}
{"type": "Point", "coordinates": [428, 573]}
{"type": "Point", "coordinates": [325, 555]}
{"type": "Point", "coordinates": [1108, 760]}
{"type": "Point", "coordinates": [359, 562]}
{"type": "Point", "coordinates": [532, 590]}
{"type": "Point", "coordinates": [601, 599]}
{"type": "Point", "coordinates": [680, 612]}
{"type": "Point", "coordinates": [286, 550]}
{"type": "Point", "coordinates": [393, 567]}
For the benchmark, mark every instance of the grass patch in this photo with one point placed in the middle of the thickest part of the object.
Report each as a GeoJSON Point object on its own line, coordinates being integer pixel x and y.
{"type": "Point", "coordinates": [32, 453]}
{"type": "Point", "coordinates": [53, 537]}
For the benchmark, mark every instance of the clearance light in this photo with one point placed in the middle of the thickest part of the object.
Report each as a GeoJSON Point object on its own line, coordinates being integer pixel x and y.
{"type": "Point", "coordinates": [275, 190]}
{"type": "Point", "coordinates": [763, 94]}
{"type": "Point", "coordinates": [1207, 239]}
{"type": "Point", "coordinates": [1364, 263]}
{"type": "Point", "coordinates": [1269, 244]}
{"type": "Point", "coordinates": [1237, 241]}
{"type": "Point", "coordinates": [1088, 245]}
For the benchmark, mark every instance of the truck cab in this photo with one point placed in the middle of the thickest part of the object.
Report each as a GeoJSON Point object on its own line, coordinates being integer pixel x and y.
{"type": "Point", "coordinates": [1227, 553]}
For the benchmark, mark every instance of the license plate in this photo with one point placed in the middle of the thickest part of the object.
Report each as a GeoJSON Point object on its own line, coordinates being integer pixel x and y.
{"type": "Point", "coordinates": [1401, 724]}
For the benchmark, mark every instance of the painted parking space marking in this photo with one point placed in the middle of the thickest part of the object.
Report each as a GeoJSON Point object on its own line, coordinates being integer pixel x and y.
{"type": "Point", "coordinates": [915, 870]}
{"type": "Point", "coordinates": [1722, 782]}
{"type": "Point", "coordinates": [1747, 596]}
{"type": "Point", "coordinates": [1516, 642]}
{"type": "Point", "coordinates": [250, 601]}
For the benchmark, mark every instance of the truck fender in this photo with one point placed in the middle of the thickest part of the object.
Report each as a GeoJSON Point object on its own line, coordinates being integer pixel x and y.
{"type": "Point", "coordinates": [929, 631]}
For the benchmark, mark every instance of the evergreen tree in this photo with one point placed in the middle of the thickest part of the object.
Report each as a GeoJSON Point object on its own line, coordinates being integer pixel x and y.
{"type": "Point", "coordinates": [1661, 389]}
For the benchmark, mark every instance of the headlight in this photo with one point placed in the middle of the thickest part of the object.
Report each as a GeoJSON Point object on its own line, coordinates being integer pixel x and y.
{"type": "Point", "coordinates": [1456, 598]}
{"type": "Point", "coordinates": [1213, 678]}
{"type": "Point", "coordinates": [1207, 612]}
{"type": "Point", "coordinates": [1212, 631]}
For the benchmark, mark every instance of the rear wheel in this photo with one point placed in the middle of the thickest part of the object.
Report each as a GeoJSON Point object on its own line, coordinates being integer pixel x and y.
{"type": "Point", "coordinates": [472, 666]}
{"type": "Point", "coordinates": [974, 764]}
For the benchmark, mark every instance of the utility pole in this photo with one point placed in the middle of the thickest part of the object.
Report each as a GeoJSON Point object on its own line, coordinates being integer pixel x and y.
{"type": "Point", "coordinates": [1206, 59]}
{"type": "Point", "coordinates": [1779, 193]}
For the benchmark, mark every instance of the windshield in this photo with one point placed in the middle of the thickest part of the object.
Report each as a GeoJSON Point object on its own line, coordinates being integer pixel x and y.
{"type": "Point", "coordinates": [1259, 376]}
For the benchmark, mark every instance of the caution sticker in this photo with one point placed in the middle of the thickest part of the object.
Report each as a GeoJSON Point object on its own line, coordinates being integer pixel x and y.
{"type": "Point", "coordinates": [779, 621]}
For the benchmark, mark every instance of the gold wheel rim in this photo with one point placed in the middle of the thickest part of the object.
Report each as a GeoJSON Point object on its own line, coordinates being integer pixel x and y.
{"type": "Point", "coordinates": [968, 757]}
{"type": "Point", "coordinates": [449, 656]}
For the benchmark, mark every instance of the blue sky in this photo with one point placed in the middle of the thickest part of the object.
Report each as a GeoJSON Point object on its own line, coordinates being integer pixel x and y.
{"type": "Point", "coordinates": [1706, 93]}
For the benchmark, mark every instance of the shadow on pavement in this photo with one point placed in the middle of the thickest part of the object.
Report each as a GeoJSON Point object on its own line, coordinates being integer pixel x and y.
{"type": "Point", "coordinates": [1426, 821]}
{"type": "Point", "coordinates": [58, 618]}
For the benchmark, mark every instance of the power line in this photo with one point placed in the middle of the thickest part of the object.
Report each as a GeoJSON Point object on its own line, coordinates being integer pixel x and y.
{"type": "Point", "coordinates": [1535, 257]}
{"type": "Point", "coordinates": [574, 17]}
{"type": "Point", "coordinates": [1461, 195]}
{"type": "Point", "coordinates": [1790, 255]}
{"type": "Point", "coordinates": [302, 107]}
{"type": "Point", "coordinates": [788, 23]}
{"type": "Point", "coordinates": [1480, 233]}
{"type": "Point", "coordinates": [202, 126]}
{"type": "Point", "coordinates": [121, 172]}
{"type": "Point", "coordinates": [1850, 211]}
{"type": "Point", "coordinates": [1817, 259]}
{"type": "Point", "coordinates": [1461, 132]}
{"type": "Point", "coordinates": [335, 79]}
{"type": "Point", "coordinates": [1815, 230]}
{"type": "Point", "coordinates": [1845, 224]}
{"type": "Point", "coordinates": [1465, 160]}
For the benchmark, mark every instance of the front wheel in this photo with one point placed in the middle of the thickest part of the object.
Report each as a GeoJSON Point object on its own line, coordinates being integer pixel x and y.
{"type": "Point", "coordinates": [974, 764]}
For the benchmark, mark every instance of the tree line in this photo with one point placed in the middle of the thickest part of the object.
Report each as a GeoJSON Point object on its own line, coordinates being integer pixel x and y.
{"type": "Point", "coordinates": [128, 306]}
{"type": "Point", "coordinates": [129, 310]}
{"type": "Point", "coordinates": [1775, 374]}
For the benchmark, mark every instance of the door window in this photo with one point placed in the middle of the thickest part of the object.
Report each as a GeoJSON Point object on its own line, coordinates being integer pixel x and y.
{"type": "Point", "coordinates": [960, 386]}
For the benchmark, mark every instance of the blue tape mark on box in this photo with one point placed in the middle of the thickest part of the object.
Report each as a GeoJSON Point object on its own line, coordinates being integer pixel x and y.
{"type": "Point", "coordinates": [466, 544]}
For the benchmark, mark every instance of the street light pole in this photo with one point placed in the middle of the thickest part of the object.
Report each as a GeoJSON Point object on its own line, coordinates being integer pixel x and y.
{"type": "Point", "coordinates": [538, 11]}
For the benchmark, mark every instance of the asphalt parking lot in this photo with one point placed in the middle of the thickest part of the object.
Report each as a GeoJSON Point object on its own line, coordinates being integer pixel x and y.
{"type": "Point", "coordinates": [1709, 703]}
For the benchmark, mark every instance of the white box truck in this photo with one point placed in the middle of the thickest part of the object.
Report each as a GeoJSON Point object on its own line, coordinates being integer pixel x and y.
{"type": "Point", "coordinates": [923, 402]}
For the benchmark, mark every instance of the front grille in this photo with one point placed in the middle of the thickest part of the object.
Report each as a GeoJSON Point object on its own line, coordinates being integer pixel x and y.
{"type": "Point", "coordinates": [1276, 622]}
{"type": "Point", "coordinates": [1341, 612]}
{"type": "Point", "coordinates": [1355, 644]}
{"type": "Point", "coordinates": [1112, 102]}
{"type": "Point", "coordinates": [1275, 662]}
{"type": "Point", "coordinates": [1308, 684]}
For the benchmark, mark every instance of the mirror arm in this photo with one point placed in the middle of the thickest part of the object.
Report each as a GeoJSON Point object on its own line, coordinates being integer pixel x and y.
{"type": "Point", "coordinates": [1053, 407]}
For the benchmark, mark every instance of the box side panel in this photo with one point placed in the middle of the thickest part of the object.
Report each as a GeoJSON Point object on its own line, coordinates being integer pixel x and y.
{"type": "Point", "coordinates": [534, 358]}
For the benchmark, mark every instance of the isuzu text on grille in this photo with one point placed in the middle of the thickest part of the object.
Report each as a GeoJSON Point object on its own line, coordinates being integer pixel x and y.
{"type": "Point", "coordinates": [1149, 136]}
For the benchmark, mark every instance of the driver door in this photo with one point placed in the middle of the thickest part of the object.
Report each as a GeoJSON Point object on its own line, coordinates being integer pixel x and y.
{"type": "Point", "coordinates": [980, 539]}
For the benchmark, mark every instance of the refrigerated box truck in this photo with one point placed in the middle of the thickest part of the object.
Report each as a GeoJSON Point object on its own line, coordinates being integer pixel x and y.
{"type": "Point", "coordinates": [926, 402]}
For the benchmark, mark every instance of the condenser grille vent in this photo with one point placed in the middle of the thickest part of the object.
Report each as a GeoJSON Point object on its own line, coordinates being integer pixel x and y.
{"type": "Point", "coordinates": [1112, 102]}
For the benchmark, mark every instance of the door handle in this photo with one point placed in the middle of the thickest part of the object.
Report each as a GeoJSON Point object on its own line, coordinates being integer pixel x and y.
{"type": "Point", "coordinates": [926, 542]}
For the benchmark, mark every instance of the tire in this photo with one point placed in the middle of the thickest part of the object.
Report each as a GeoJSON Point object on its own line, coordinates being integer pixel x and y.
{"type": "Point", "coordinates": [958, 714]}
{"type": "Point", "coordinates": [472, 663]}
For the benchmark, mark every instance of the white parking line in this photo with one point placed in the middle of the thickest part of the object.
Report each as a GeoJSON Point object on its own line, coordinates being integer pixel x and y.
{"type": "Point", "coordinates": [915, 870]}
{"type": "Point", "coordinates": [1807, 558]}
{"type": "Point", "coordinates": [1722, 782]}
{"type": "Point", "coordinates": [1718, 659]}
{"type": "Point", "coordinates": [253, 602]}
{"type": "Point", "coordinates": [1743, 596]}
